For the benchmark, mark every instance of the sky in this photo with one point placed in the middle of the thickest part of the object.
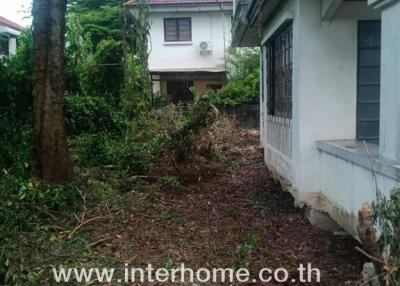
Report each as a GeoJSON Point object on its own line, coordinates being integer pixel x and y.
{"type": "Point", "coordinates": [16, 11]}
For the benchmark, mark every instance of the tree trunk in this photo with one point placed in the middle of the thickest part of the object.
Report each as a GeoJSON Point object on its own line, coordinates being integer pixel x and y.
{"type": "Point", "coordinates": [54, 164]}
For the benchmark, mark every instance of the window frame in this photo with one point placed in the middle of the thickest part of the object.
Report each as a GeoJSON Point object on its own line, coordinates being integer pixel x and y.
{"type": "Point", "coordinates": [279, 82]}
{"type": "Point", "coordinates": [178, 38]}
{"type": "Point", "coordinates": [4, 45]}
{"type": "Point", "coordinates": [360, 100]}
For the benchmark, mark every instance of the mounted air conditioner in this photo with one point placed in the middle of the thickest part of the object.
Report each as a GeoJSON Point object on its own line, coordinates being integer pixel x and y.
{"type": "Point", "coordinates": [205, 48]}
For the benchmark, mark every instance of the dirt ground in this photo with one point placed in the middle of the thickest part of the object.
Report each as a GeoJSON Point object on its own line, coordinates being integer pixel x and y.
{"type": "Point", "coordinates": [239, 218]}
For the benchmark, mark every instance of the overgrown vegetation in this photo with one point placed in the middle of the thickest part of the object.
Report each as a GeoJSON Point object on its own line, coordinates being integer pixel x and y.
{"type": "Point", "coordinates": [243, 72]}
{"type": "Point", "coordinates": [386, 213]}
{"type": "Point", "coordinates": [116, 140]}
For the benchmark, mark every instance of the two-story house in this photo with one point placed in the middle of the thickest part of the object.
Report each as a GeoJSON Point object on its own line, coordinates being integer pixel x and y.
{"type": "Point", "coordinates": [330, 97]}
{"type": "Point", "coordinates": [9, 32]}
{"type": "Point", "coordinates": [188, 43]}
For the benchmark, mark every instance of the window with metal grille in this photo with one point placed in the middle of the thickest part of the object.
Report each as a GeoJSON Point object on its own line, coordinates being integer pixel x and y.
{"type": "Point", "coordinates": [3, 45]}
{"type": "Point", "coordinates": [279, 53]}
{"type": "Point", "coordinates": [368, 80]}
{"type": "Point", "coordinates": [177, 29]}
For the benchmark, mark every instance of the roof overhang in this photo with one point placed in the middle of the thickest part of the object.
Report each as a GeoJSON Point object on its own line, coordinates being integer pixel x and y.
{"type": "Point", "coordinates": [9, 31]}
{"type": "Point", "coordinates": [249, 18]}
{"type": "Point", "coordinates": [206, 70]}
{"type": "Point", "coordinates": [243, 35]}
{"type": "Point", "coordinates": [187, 75]}
{"type": "Point", "coordinates": [186, 7]}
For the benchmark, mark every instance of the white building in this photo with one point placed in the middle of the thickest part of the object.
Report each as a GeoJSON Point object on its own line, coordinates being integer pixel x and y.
{"type": "Point", "coordinates": [188, 42]}
{"type": "Point", "coordinates": [330, 80]}
{"type": "Point", "coordinates": [9, 32]}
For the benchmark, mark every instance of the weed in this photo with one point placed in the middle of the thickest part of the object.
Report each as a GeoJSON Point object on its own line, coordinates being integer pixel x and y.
{"type": "Point", "coordinates": [241, 257]}
{"type": "Point", "coordinates": [172, 183]}
{"type": "Point", "coordinates": [171, 217]}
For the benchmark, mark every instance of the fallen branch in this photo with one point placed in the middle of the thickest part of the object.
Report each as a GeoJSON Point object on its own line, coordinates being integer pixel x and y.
{"type": "Point", "coordinates": [99, 241]}
{"type": "Point", "coordinates": [370, 256]}
{"type": "Point", "coordinates": [372, 279]}
{"type": "Point", "coordinates": [45, 212]}
{"type": "Point", "coordinates": [137, 177]}
{"type": "Point", "coordinates": [86, 222]}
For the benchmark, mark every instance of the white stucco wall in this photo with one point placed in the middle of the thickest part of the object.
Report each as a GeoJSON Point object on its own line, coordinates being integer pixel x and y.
{"type": "Point", "coordinates": [324, 101]}
{"type": "Point", "coordinates": [12, 45]}
{"type": "Point", "coordinates": [325, 90]}
{"type": "Point", "coordinates": [276, 135]}
{"type": "Point", "coordinates": [390, 83]}
{"type": "Point", "coordinates": [213, 26]}
{"type": "Point", "coordinates": [346, 186]}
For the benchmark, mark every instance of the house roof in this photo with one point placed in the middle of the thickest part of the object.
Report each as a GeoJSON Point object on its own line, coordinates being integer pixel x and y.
{"type": "Point", "coordinates": [10, 24]}
{"type": "Point", "coordinates": [132, 3]}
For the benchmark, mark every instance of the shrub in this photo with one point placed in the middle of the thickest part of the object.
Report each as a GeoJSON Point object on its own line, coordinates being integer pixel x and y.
{"type": "Point", "coordinates": [87, 114]}
{"type": "Point", "coordinates": [15, 81]}
{"type": "Point", "coordinates": [24, 205]}
{"type": "Point", "coordinates": [238, 92]}
{"type": "Point", "coordinates": [101, 74]}
{"type": "Point", "coordinates": [136, 92]}
{"type": "Point", "coordinates": [387, 218]}
{"type": "Point", "coordinates": [243, 84]}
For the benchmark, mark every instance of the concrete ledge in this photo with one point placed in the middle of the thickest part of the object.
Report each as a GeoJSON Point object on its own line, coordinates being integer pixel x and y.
{"type": "Point", "coordinates": [354, 151]}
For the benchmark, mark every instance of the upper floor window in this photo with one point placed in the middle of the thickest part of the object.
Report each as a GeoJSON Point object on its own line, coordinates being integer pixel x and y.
{"type": "Point", "coordinates": [279, 73]}
{"type": "Point", "coordinates": [177, 29]}
{"type": "Point", "coordinates": [3, 45]}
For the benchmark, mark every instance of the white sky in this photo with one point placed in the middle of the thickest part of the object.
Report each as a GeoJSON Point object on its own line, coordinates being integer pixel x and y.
{"type": "Point", "coordinates": [16, 11]}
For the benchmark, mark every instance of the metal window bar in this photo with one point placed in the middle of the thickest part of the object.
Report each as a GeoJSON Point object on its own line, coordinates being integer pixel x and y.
{"type": "Point", "coordinates": [279, 76]}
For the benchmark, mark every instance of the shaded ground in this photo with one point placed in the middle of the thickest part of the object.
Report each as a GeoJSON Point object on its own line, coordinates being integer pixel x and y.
{"type": "Point", "coordinates": [240, 218]}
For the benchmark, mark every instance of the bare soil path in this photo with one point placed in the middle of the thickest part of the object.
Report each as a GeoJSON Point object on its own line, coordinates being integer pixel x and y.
{"type": "Point", "coordinates": [239, 218]}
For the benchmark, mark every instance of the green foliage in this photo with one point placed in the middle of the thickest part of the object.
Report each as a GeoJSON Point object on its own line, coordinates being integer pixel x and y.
{"type": "Point", "coordinates": [242, 61]}
{"type": "Point", "coordinates": [101, 74]}
{"type": "Point", "coordinates": [78, 48]}
{"type": "Point", "coordinates": [101, 19]}
{"type": "Point", "coordinates": [15, 140]}
{"type": "Point", "coordinates": [238, 92]}
{"type": "Point", "coordinates": [141, 31]}
{"type": "Point", "coordinates": [198, 115]}
{"type": "Point", "coordinates": [24, 205]}
{"type": "Point", "coordinates": [16, 106]}
{"type": "Point", "coordinates": [172, 218]}
{"type": "Point", "coordinates": [147, 139]}
{"type": "Point", "coordinates": [243, 79]}
{"type": "Point", "coordinates": [15, 81]}
{"type": "Point", "coordinates": [243, 251]}
{"type": "Point", "coordinates": [387, 217]}
{"type": "Point", "coordinates": [136, 93]}
{"type": "Point", "coordinates": [172, 183]}
{"type": "Point", "coordinates": [137, 86]}
{"type": "Point", "coordinates": [88, 114]}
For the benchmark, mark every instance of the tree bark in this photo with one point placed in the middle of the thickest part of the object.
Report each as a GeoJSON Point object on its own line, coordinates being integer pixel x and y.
{"type": "Point", "coordinates": [53, 162]}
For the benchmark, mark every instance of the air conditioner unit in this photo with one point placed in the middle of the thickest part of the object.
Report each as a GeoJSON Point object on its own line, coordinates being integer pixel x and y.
{"type": "Point", "coordinates": [205, 48]}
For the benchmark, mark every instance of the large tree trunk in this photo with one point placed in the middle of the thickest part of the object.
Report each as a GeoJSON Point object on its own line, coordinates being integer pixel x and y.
{"type": "Point", "coordinates": [50, 146]}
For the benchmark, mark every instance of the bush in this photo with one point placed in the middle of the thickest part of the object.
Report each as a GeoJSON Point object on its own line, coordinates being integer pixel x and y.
{"type": "Point", "coordinates": [387, 218]}
{"type": "Point", "coordinates": [243, 86]}
{"type": "Point", "coordinates": [16, 83]}
{"type": "Point", "coordinates": [16, 107]}
{"type": "Point", "coordinates": [86, 114]}
{"type": "Point", "coordinates": [24, 205]}
{"type": "Point", "coordinates": [102, 74]}
{"type": "Point", "coordinates": [238, 92]}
